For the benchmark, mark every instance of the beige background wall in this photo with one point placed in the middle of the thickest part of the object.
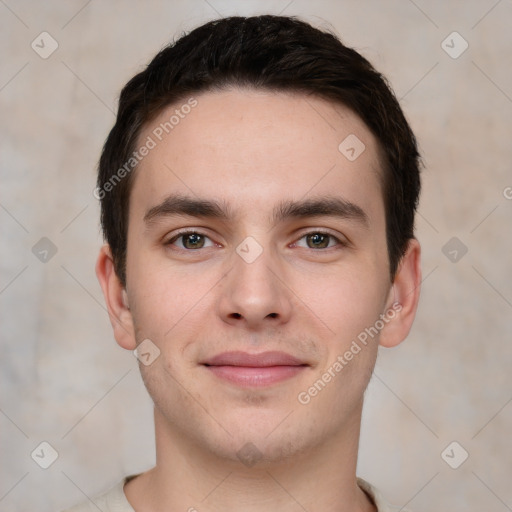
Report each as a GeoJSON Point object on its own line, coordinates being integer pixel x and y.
{"type": "Point", "coordinates": [66, 382]}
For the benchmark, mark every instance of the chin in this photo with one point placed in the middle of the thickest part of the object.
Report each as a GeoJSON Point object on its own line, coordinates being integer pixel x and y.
{"type": "Point", "coordinates": [259, 443]}
{"type": "Point", "coordinates": [250, 452]}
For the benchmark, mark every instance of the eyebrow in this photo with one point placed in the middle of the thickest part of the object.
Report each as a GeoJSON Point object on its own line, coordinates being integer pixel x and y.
{"type": "Point", "coordinates": [328, 206]}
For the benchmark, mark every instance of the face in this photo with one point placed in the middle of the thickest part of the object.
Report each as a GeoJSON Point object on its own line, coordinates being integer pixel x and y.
{"type": "Point", "coordinates": [256, 258]}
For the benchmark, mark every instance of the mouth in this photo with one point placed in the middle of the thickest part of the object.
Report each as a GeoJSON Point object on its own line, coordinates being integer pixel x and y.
{"type": "Point", "coordinates": [255, 370]}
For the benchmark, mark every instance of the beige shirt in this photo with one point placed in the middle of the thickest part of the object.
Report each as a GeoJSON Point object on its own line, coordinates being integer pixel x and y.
{"type": "Point", "coordinates": [115, 500]}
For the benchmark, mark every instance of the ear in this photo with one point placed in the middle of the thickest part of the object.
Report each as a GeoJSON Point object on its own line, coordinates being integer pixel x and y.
{"type": "Point", "coordinates": [403, 297]}
{"type": "Point", "coordinates": [116, 299]}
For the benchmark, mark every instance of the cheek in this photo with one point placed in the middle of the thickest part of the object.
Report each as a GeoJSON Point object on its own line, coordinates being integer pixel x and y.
{"type": "Point", "coordinates": [170, 307]}
{"type": "Point", "coordinates": [346, 301]}
{"type": "Point", "coordinates": [162, 296]}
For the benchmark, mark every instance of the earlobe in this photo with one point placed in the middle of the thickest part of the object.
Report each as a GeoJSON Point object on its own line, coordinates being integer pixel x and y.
{"type": "Point", "coordinates": [116, 299]}
{"type": "Point", "coordinates": [403, 297]}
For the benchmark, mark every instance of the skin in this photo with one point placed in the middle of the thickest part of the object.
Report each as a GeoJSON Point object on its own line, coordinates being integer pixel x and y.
{"type": "Point", "coordinates": [251, 150]}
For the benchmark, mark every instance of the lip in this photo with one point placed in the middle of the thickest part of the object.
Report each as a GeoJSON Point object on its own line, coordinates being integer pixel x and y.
{"type": "Point", "coordinates": [255, 370]}
{"type": "Point", "coordinates": [262, 360]}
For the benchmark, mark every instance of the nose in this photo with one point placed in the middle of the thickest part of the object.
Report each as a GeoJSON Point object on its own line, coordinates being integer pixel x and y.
{"type": "Point", "coordinates": [254, 295]}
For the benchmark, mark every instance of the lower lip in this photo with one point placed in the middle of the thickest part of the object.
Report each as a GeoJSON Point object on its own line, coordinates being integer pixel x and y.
{"type": "Point", "coordinates": [246, 376]}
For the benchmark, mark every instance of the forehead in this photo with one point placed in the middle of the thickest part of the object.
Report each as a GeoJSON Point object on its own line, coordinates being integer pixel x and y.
{"type": "Point", "coordinates": [251, 148]}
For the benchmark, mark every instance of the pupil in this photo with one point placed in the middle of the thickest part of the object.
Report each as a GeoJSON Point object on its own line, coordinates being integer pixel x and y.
{"type": "Point", "coordinates": [318, 239]}
{"type": "Point", "coordinates": [193, 239]}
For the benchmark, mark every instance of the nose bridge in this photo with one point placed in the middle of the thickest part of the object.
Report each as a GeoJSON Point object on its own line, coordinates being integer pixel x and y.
{"type": "Point", "coordinates": [253, 291]}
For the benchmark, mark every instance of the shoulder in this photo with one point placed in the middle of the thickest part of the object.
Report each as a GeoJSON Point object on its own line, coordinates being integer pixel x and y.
{"type": "Point", "coordinates": [377, 497]}
{"type": "Point", "coordinates": [114, 500]}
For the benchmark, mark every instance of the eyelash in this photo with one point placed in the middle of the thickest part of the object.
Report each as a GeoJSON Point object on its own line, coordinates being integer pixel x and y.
{"type": "Point", "coordinates": [180, 234]}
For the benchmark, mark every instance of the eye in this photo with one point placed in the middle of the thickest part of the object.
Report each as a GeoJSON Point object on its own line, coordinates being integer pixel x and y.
{"type": "Point", "coordinates": [194, 240]}
{"type": "Point", "coordinates": [190, 240]}
{"type": "Point", "coordinates": [321, 240]}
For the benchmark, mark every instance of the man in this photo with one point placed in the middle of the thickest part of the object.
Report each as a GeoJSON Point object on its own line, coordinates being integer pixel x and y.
{"type": "Point", "coordinates": [258, 193]}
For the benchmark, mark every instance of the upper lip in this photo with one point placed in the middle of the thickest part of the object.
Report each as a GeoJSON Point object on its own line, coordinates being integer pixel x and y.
{"type": "Point", "coordinates": [264, 359]}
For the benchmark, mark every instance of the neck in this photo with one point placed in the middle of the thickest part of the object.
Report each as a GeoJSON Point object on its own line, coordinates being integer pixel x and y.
{"type": "Point", "coordinates": [187, 477]}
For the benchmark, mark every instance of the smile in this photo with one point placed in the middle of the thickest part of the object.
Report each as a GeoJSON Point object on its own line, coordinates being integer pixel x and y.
{"type": "Point", "coordinates": [255, 370]}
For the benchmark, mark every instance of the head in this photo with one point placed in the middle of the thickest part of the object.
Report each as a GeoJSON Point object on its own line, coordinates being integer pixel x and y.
{"type": "Point", "coordinates": [260, 52]}
{"type": "Point", "coordinates": [255, 132]}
